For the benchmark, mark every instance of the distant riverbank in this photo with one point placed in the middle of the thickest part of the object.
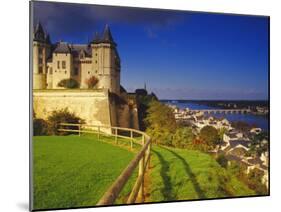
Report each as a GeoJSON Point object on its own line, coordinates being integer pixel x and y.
{"type": "Point", "coordinates": [258, 120]}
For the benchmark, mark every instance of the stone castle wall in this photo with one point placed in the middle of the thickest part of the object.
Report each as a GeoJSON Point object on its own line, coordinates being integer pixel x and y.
{"type": "Point", "coordinates": [91, 105]}
{"type": "Point", "coordinates": [96, 107]}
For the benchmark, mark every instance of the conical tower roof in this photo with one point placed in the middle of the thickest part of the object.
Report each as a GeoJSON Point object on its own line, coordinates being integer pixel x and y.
{"type": "Point", "coordinates": [107, 37]}
{"type": "Point", "coordinates": [39, 34]}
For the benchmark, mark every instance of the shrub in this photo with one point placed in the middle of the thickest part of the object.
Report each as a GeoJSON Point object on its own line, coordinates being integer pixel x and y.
{"type": "Point", "coordinates": [40, 127]}
{"type": "Point", "coordinates": [199, 144]}
{"type": "Point", "coordinates": [68, 83]}
{"type": "Point", "coordinates": [221, 159]}
{"type": "Point", "coordinates": [92, 82]}
{"type": "Point", "coordinates": [183, 137]}
{"type": "Point", "coordinates": [62, 116]}
{"type": "Point", "coordinates": [254, 182]}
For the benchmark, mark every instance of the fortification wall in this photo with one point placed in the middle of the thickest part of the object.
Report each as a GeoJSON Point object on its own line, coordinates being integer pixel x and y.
{"type": "Point", "coordinates": [91, 105]}
{"type": "Point", "coordinates": [127, 115]}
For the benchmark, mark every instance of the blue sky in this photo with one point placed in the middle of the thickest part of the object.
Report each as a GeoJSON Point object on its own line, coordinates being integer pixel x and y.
{"type": "Point", "coordinates": [180, 55]}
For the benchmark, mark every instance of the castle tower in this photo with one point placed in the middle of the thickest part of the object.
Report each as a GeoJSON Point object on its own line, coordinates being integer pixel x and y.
{"type": "Point", "coordinates": [106, 61]}
{"type": "Point", "coordinates": [41, 50]}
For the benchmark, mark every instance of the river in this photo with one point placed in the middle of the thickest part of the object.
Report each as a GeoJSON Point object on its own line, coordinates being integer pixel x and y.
{"type": "Point", "coordinates": [260, 121]}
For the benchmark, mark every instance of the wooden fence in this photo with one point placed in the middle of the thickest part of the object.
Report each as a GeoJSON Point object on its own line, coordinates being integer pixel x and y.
{"type": "Point", "coordinates": [141, 159]}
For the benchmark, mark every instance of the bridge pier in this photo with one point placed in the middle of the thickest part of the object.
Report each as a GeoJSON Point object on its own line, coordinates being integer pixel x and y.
{"type": "Point", "coordinates": [221, 111]}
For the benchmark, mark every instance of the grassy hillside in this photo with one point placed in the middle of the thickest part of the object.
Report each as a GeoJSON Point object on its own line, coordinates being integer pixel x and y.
{"type": "Point", "coordinates": [178, 174]}
{"type": "Point", "coordinates": [72, 171]}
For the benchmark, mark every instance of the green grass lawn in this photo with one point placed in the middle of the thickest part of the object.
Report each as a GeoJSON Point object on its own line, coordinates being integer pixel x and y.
{"type": "Point", "coordinates": [178, 174]}
{"type": "Point", "coordinates": [73, 171]}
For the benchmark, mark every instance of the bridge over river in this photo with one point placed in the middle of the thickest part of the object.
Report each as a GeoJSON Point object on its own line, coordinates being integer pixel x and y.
{"type": "Point", "coordinates": [222, 111]}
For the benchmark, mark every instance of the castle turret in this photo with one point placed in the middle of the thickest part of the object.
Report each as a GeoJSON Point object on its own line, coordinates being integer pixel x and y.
{"type": "Point", "coordinates": [106, 61]}
{"type": "Point", "coordinates": [41, 50]}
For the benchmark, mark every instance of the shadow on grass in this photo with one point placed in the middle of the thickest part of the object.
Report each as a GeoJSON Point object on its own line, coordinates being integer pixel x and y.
{"type": "Point", "coordinates": [167, 190]}
{"type": "Point", "coordinates": [191, 175]}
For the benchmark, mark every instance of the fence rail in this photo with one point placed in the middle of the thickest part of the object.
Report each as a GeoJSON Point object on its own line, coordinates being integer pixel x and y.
{"type": "Point", "coordinates": [141, 159]}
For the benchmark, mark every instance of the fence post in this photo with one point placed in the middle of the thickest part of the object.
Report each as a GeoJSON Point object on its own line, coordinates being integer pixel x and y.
{"type": "Point", "coordinates": [79, 127]}
{"type": "Point", "coordinates": [116, 137]}
{"type": "Point", "coordinates": [141, 174]}
{"type": "Point", "coordinates": [98, 132]}
{"type": "Point", "coordinates": [148, 155]}
{"type": "Point", "coordinates": [131, 139]}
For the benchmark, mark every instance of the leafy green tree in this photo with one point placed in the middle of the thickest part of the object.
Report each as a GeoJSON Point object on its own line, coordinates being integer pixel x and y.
{"type": "Point", "coordinates": [183, 137]}
{"type": "Point", "coordinates": [210, 135]}
{"type": "Point", "coordinates": [259, 144]}
{"type": "Point", "coordinates": [161, 123]}
{"type": "Point", "coordinates": [143, 107]}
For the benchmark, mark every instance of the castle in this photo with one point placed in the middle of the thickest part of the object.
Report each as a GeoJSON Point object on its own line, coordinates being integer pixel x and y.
{"type": "Point", "coordinates": [104, 102]}
{"type": "Point", "coordinates": [54, 63]}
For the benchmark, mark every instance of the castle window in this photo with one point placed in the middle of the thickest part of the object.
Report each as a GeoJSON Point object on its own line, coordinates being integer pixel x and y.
{"type": "Point", "coordinates": [65, 72]}
{"type": "Point", "coordinates": [51, 71]}
{"type": "Point", "coordinates": [40, 60]}
{"type": "Point", "coordinates": [96, 71]}
{"type": "Point", "coordinates": [40, 52]}
{"type": "Point", "coordinates": [96, 62]}
{"type": "Point", "coordinates": [96, 54]}
{"type": "Point", "coordinates": [75, 71]}
{"type": "Point", "coordinates": [58, 64]}
{"type": "Point", "coordinates": [63, 64]}
{"type": "Point", "coordinates": [40, 70]}
{"type": "Point", "coordinates": [88, 72]}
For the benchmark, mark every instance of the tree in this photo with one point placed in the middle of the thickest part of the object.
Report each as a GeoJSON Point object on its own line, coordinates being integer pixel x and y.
{"type": "Point", "coordinates": [254, 182]}
{"type": "Point", "coordinates": [62, 116]}
{"type": "Point", "coordinates": [161, 123]}
{"type": "Point", "coordinates": [259, 144]}
{"type": "Point", "coordinates": [143, 107]}
{"type": "Point", "coordinates": [221, 159]}
{"type": "Point", "coordinates": [68, 83]}
{"type": "Point", "coordinates": [210, 135]}
{"type": "Point", "coordinates": [183, 137]}
{"type": "Point", "coordinates": [92, 82]}
{"type": "Point", "coordinates": [221, 132]}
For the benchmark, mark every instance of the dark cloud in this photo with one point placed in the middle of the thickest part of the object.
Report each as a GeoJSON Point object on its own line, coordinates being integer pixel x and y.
{"type": "Point", "coordinates": [66, 18]}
